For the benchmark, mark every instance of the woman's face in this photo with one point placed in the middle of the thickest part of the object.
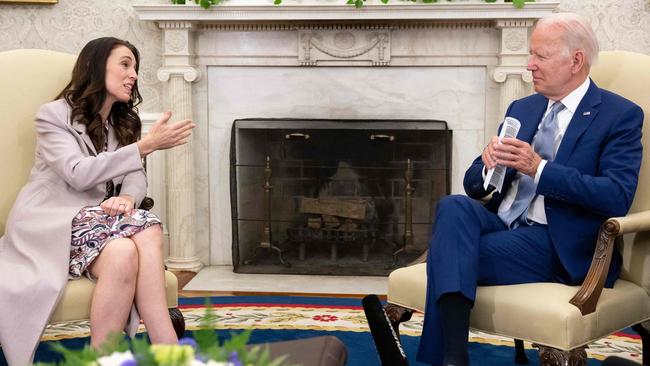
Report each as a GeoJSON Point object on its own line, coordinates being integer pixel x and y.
{"type": "Point", "coordinates": [120, 74]}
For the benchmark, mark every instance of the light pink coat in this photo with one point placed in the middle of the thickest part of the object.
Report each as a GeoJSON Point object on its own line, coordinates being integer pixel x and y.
{"type": "Point", "coordinates": [34, 252]}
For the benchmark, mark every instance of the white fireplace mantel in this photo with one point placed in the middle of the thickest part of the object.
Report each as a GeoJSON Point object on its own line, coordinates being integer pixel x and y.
{"type": "Point", "coordinates": [264, 10]}
{"type": "Point", "coordinates": [478, 48]}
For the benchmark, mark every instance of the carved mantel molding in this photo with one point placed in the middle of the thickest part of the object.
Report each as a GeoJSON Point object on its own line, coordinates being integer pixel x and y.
{"type": "Point", "coordinates": [264, 10]}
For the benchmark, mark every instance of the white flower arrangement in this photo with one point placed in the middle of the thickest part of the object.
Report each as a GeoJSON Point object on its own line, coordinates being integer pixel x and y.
{"type": "Point", "coordinates": [181, 354]}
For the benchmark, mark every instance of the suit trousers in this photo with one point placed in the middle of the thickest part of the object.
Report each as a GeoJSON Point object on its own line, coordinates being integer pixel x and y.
{"type": "Point", "coordinates": [471, 246]}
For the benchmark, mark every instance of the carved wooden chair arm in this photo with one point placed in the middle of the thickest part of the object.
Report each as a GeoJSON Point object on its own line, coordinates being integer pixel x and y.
{"type": "Point", "coordinates": [587, 296]}
{"type": "Point", "coordinates": [147, 203]}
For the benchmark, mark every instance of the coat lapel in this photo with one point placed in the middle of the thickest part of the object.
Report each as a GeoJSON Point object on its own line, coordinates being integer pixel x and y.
{"type": "Point", "coordinates": [112, 138]}
{"type": "Point", "coordinates": [81, 130]}
{"type": "Point", "coordinates": [528, 128]}
{"type": "Point", "coordinates": [582, 118]}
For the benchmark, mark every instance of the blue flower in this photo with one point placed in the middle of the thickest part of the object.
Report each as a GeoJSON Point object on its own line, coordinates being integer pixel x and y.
{"type": "Point", "coordinates": [188, 342]}
{"type": "Point", "coordinates": [234, 359]}
{"type": "Point", "coordinates": [129, 363]}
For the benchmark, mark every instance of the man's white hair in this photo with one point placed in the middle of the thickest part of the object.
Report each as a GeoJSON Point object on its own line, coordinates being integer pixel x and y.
{"type": "Point", "coordinates": [578, 34]}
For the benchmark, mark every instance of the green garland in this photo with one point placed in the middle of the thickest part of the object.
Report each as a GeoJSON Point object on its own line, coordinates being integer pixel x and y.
{"type": "Point", "coordinates": [357, 3]}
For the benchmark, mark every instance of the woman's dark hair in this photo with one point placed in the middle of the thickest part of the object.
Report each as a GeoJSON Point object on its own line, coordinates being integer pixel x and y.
{"type": "Point", "coordinates": [86, 93]}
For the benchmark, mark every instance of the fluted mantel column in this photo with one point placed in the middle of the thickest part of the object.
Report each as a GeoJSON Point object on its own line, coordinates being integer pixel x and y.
{"type": "Point", "coordinates": [178, 72]}
{"type": "Point", "coordinates": [513, 57]}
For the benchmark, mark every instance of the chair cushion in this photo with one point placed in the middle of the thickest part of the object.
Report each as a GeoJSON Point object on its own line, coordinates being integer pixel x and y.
{"type": "Point", "coordinates": [508, 310]}
{"type": "Point", "coordinates": [407, 287]}
{"type": "Point", "coordinates": [75, 304]}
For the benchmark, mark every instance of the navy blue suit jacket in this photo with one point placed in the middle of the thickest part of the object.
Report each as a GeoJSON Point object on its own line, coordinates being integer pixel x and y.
{"type": "Point", "coordinates": [594, 175]}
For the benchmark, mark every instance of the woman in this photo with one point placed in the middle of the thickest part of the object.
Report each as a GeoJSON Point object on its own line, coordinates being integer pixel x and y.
{"type": "Point", "coordinates": [69, 220]}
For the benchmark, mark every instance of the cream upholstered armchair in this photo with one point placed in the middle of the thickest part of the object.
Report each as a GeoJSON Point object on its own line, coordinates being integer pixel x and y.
{"type": "Point", "coordinates": [31, 78]}
{"type": "Point", "coordinates": [561, 320]}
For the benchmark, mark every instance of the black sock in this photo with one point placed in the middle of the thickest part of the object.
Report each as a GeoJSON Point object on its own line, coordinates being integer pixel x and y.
{"type": "Point", "coordinates": [454, 314]}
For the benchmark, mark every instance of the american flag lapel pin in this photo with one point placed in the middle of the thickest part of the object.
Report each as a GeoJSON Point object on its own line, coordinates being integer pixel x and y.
{"type": "Point", "coordinates": [586, 113]}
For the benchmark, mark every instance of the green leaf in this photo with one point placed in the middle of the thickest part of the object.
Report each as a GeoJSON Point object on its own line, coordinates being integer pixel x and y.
{"type": "Point", "coordinates": [115, 342]}
{"type": "Point", "coordinates": [205, 4]}
{"type": "Point", "coordinates": [277, 2]}
{"type": "Point", "coordinates": [81, 357]}
{"type": "Point", "coordinates": [141, 352]}
{"type": "Point", "coordinates": [518, 3]}
{"type": "Point", "coordinates": [205, 337]}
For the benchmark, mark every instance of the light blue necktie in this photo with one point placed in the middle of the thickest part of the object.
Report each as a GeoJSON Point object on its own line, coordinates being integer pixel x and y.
{"type": "Point", "coordinates": [543, 144]}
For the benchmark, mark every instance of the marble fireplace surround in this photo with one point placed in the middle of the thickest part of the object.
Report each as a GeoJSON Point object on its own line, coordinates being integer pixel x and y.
{"type": "Point", "coordinates": [462, 62]}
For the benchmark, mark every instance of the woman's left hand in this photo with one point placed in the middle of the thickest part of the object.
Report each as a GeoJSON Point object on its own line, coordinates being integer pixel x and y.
{"type": "Point", "coordinates": [117, 205]}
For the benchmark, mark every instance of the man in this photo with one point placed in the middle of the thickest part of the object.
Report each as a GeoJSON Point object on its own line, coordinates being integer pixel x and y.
{"type": "Point", "coordinates": [573, 164]}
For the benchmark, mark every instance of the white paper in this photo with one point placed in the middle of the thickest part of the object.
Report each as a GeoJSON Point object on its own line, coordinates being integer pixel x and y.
{"type": "Point", "coordinates": [495, 176]}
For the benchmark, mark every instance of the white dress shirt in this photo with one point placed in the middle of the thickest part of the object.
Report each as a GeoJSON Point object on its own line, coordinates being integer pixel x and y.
{"type": "Point", "coordinates": [536, 211]}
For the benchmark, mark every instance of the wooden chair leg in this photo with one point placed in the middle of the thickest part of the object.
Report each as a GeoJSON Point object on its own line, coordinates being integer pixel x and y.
{"type": "Point", "coordinates": [549, 356]}
{"type": "Point", "coordinates": [396, 315]}
{"type": "Point", "coordinates": [520, 353]}
{"type": "Point", "coordinates": [177, 321]}
{"type": "Point", "coordinates": [645, 342]}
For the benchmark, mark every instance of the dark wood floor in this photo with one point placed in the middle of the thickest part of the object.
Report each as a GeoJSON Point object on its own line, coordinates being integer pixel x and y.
{"type": "Point", "coordinates": [184, 277]}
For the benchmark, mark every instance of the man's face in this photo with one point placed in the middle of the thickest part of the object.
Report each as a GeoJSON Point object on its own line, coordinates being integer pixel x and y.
{"type": "Point", "coordinates": [550, 63]}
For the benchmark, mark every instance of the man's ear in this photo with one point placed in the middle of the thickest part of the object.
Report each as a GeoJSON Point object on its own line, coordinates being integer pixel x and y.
{"type": "Point", "coordinates": [578, 61]}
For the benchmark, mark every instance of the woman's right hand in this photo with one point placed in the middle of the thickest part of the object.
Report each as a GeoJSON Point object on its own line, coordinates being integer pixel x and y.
{"type": "Point", "coordinates": [163, 135]}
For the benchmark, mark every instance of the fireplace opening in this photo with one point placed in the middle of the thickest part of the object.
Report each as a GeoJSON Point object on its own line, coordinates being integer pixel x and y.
{"type": "Point", "coordinates": [338, 197]}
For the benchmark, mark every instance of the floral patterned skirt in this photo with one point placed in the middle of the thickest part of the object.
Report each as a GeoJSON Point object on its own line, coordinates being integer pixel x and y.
{"type": "Point", "coordinates": [92, 229]}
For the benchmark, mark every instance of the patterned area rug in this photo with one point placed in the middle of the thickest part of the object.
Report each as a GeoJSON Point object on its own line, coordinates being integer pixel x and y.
{"type": "Point", "coordinates": [338, 315]}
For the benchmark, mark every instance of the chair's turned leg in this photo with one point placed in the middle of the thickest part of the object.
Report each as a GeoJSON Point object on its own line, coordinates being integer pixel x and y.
{"type": "Point", "coordinates": [645, 342]}
{"type": "Point", "coordinates": [556, 357]}
{"type": "Point", "coordinates": [177, 321]}
{"type": "Point", "coordinates": [520, 353]}
{"type": "Point", "coordinates": [397, 314]}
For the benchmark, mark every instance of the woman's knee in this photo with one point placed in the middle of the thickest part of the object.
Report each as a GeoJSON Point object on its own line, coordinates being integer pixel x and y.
{"type": "Point", "coordinates": [119, 258]}
{"type": "Point", "coordinates": [151, 237]}
{"type": "Point", "coordinates": [155, 229]}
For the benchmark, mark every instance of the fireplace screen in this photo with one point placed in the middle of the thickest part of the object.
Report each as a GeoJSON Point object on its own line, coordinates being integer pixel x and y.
{"type": "Point", "coordinates": [343, 197]}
